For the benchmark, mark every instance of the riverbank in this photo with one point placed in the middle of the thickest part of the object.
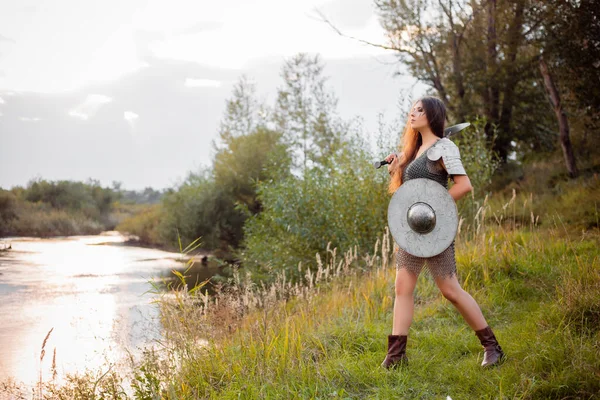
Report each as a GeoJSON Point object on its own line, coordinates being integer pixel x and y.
{"type": "Point", "coordinates": [198, 255]}
{"type": "Point", "coordinates": [130, 240]}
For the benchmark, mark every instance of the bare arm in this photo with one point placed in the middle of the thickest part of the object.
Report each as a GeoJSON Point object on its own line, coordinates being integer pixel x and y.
{"type": "Point", "coordinates": [462, 186]}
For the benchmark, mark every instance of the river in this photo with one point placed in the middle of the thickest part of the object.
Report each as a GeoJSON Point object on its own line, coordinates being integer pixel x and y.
{"type": "Point", "coordinates": [91, 291]}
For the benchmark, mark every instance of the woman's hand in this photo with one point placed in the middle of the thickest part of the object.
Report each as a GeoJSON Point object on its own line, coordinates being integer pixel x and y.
{"type": "Point", "coordinates": [392, 160]}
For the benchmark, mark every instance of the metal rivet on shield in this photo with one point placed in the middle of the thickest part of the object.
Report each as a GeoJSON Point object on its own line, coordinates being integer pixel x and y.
{"type": "Point", "coordinates": [421, 217]}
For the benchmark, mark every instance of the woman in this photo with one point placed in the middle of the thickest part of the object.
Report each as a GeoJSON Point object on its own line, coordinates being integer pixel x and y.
{"type": "Point", "coordinates": [425, 132]}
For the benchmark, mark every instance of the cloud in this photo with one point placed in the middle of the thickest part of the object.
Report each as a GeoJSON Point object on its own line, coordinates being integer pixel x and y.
{"type": "Point", "coordinates": [148, 36]}
{"type": "Point", "coordinates": [200, 27]}
{"type": "Point", "coordinates": [143, 39]}
{"type": "Point", "coordinates": [131, 118]}
{"type": "Point", "coordinates": [348, 14]}
{"type": "Point", "coordinates": [29, 119]}
{"type": "Point", "coordinates": [171, 120]}
{"type": "Point", "coordinates": [191, 82]}
{"type": "Point", "coordinates": [6, 39]}
{"type": "Point", "coordinates": [90, 106]}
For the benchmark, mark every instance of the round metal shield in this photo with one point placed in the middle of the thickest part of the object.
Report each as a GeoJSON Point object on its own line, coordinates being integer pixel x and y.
{"type": "Point", "coordinates": [422, 217]}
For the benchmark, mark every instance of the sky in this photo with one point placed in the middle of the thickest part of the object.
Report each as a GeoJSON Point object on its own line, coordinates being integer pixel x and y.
{"type": "Point", "coordinates": [133, 90]}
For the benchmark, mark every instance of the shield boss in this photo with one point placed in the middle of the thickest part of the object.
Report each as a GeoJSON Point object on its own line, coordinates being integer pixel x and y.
{"type": "Point", "coordinates": [422, 217]}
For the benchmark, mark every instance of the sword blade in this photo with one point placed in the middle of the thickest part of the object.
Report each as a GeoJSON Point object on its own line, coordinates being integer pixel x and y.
{"type": "Point", "coordinates": [455, 129]}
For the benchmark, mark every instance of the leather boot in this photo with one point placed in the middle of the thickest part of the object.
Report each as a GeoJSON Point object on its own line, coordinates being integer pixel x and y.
{"type": "Point", "coordinates": [396, 354]}
{"type": "Point", "coordinates": [493, 354]}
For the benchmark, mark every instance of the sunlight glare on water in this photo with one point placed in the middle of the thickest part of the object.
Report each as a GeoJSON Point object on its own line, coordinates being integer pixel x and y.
{"type": "Point", "coordinates": [91, 295]}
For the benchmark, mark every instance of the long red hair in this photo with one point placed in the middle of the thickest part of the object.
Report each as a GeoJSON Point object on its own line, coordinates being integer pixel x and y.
{"type": "Point", "coordinates": [411, 142]}
{"type": "Point", "coordinates": [409, 145]}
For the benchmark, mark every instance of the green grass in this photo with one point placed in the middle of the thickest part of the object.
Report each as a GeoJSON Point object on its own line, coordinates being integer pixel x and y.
{"type": "Point", "coordinates": [331, 345]}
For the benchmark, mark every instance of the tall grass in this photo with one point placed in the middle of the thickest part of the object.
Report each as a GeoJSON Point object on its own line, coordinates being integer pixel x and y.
{"type": "Point", "coordinates": [324, 336]}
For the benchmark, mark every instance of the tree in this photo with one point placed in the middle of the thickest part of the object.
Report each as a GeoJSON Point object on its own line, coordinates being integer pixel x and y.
{"type": "Point", "coordinates": [8, 211]}
{"type": "Point", "coordinates": [214, 203]}
{"type": "Point", "coordinates": [190, 211]}
{"type": "Point", "coordinates": [243, 113]}
{"type": "Point", "coordinates": [306, 112]}
{"type": "Point", "coordinates": [570, 41]}
{"type": "Point", "coordinates": [479, 57]}
{"type": "Point", "coordinates": [247, 160]}
{"type": "Point", "coordinates": [473, 53]}
{"type": "Point", "coordinates": [238, 168]}
{"type": "Point", "coordinates": [563, 123]}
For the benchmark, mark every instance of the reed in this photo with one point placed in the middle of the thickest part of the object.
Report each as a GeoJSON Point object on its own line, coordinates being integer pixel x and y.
{"type": "Point", "coordinates": [42, 354]}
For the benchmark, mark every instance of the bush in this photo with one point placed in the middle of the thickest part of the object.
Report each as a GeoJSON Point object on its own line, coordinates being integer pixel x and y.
{"type": "Point", "coordinates": [8, 211]}
{"type": "Point", "coordinates": [144, 225]}
{"type": "Point", "coordinates": [56, 209]}
{"type": "Point", "coordinates": [479, 161]}
{"type": "Point", "coordinates": [89, 198]}
{"type": "Point", "coordinates": [193, 211]}
{"type": "Point", "coordinates": [42, 221]}
{"type": "Point", "coordinates": [344, 206]}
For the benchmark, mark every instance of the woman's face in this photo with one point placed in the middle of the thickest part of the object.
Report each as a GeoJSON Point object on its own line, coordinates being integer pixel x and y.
{"type": "Point", "coordinates": [418, 119]}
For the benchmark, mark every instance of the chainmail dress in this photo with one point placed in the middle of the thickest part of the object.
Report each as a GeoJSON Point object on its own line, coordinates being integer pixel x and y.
{"type": "Point", "coordinates": [442, 265]}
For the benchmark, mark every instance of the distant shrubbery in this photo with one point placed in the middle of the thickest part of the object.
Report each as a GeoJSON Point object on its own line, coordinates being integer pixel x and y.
{"type": "Point", "coordinates": [145, 225]}
{"type": "Point", "coordinates": [46, 208]}
{"type": "Point", "coordinates": [60, 208]}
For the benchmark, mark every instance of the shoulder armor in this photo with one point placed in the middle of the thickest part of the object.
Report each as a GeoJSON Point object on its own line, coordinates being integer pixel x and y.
{"type": "Point", "coordinates": [448, 151]}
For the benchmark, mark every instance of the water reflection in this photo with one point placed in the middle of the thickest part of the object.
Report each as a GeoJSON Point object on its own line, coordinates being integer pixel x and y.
{"type": "Point", "coordinates": [91, 295]}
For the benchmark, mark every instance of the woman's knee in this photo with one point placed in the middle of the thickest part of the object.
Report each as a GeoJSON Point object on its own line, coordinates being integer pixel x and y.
{"type": "Point", "coordinates": [404, 288]}
{"type": "Point", "coordinates": [405, 283]}
{"type": "Point", "coordinates": [402, 291]}
{"type": "Point", "coordinates": [452, 294]}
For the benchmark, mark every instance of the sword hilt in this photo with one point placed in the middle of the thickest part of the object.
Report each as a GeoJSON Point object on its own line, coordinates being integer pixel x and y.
{"type": "Point", "coordinates": [379, 164]}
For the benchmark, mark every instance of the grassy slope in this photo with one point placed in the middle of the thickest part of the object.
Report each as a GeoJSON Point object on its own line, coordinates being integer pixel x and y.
{"type": "Point", "coordinates": [539, 291]}
{"type": "Point", "coordinates": [537, 281]}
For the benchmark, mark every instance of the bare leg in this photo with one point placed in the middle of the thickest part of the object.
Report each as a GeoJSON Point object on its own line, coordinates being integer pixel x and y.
{"type": "Point", "coordinates": [463, 301]}
{"type": "Point", "coordinates": [403, 303]}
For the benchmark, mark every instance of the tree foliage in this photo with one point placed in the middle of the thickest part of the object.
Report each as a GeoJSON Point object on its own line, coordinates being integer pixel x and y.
{"type": "Point", "coordinates": [344, 208]}
{"type": "Point", "coordinates": [296, 181]}
{"type": "Point", "coordinates": [57, 208]}
{"type": "Point", "coordinates": [569, 37]}
{"type": "Point", "coordinates": [214, 203]}
{"type": "Point", "coordinates": [481, 58]}
{"type": "Point", "coordinates": [306, 113]}
{"type": "Point", "coordinates": [90, 198]}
